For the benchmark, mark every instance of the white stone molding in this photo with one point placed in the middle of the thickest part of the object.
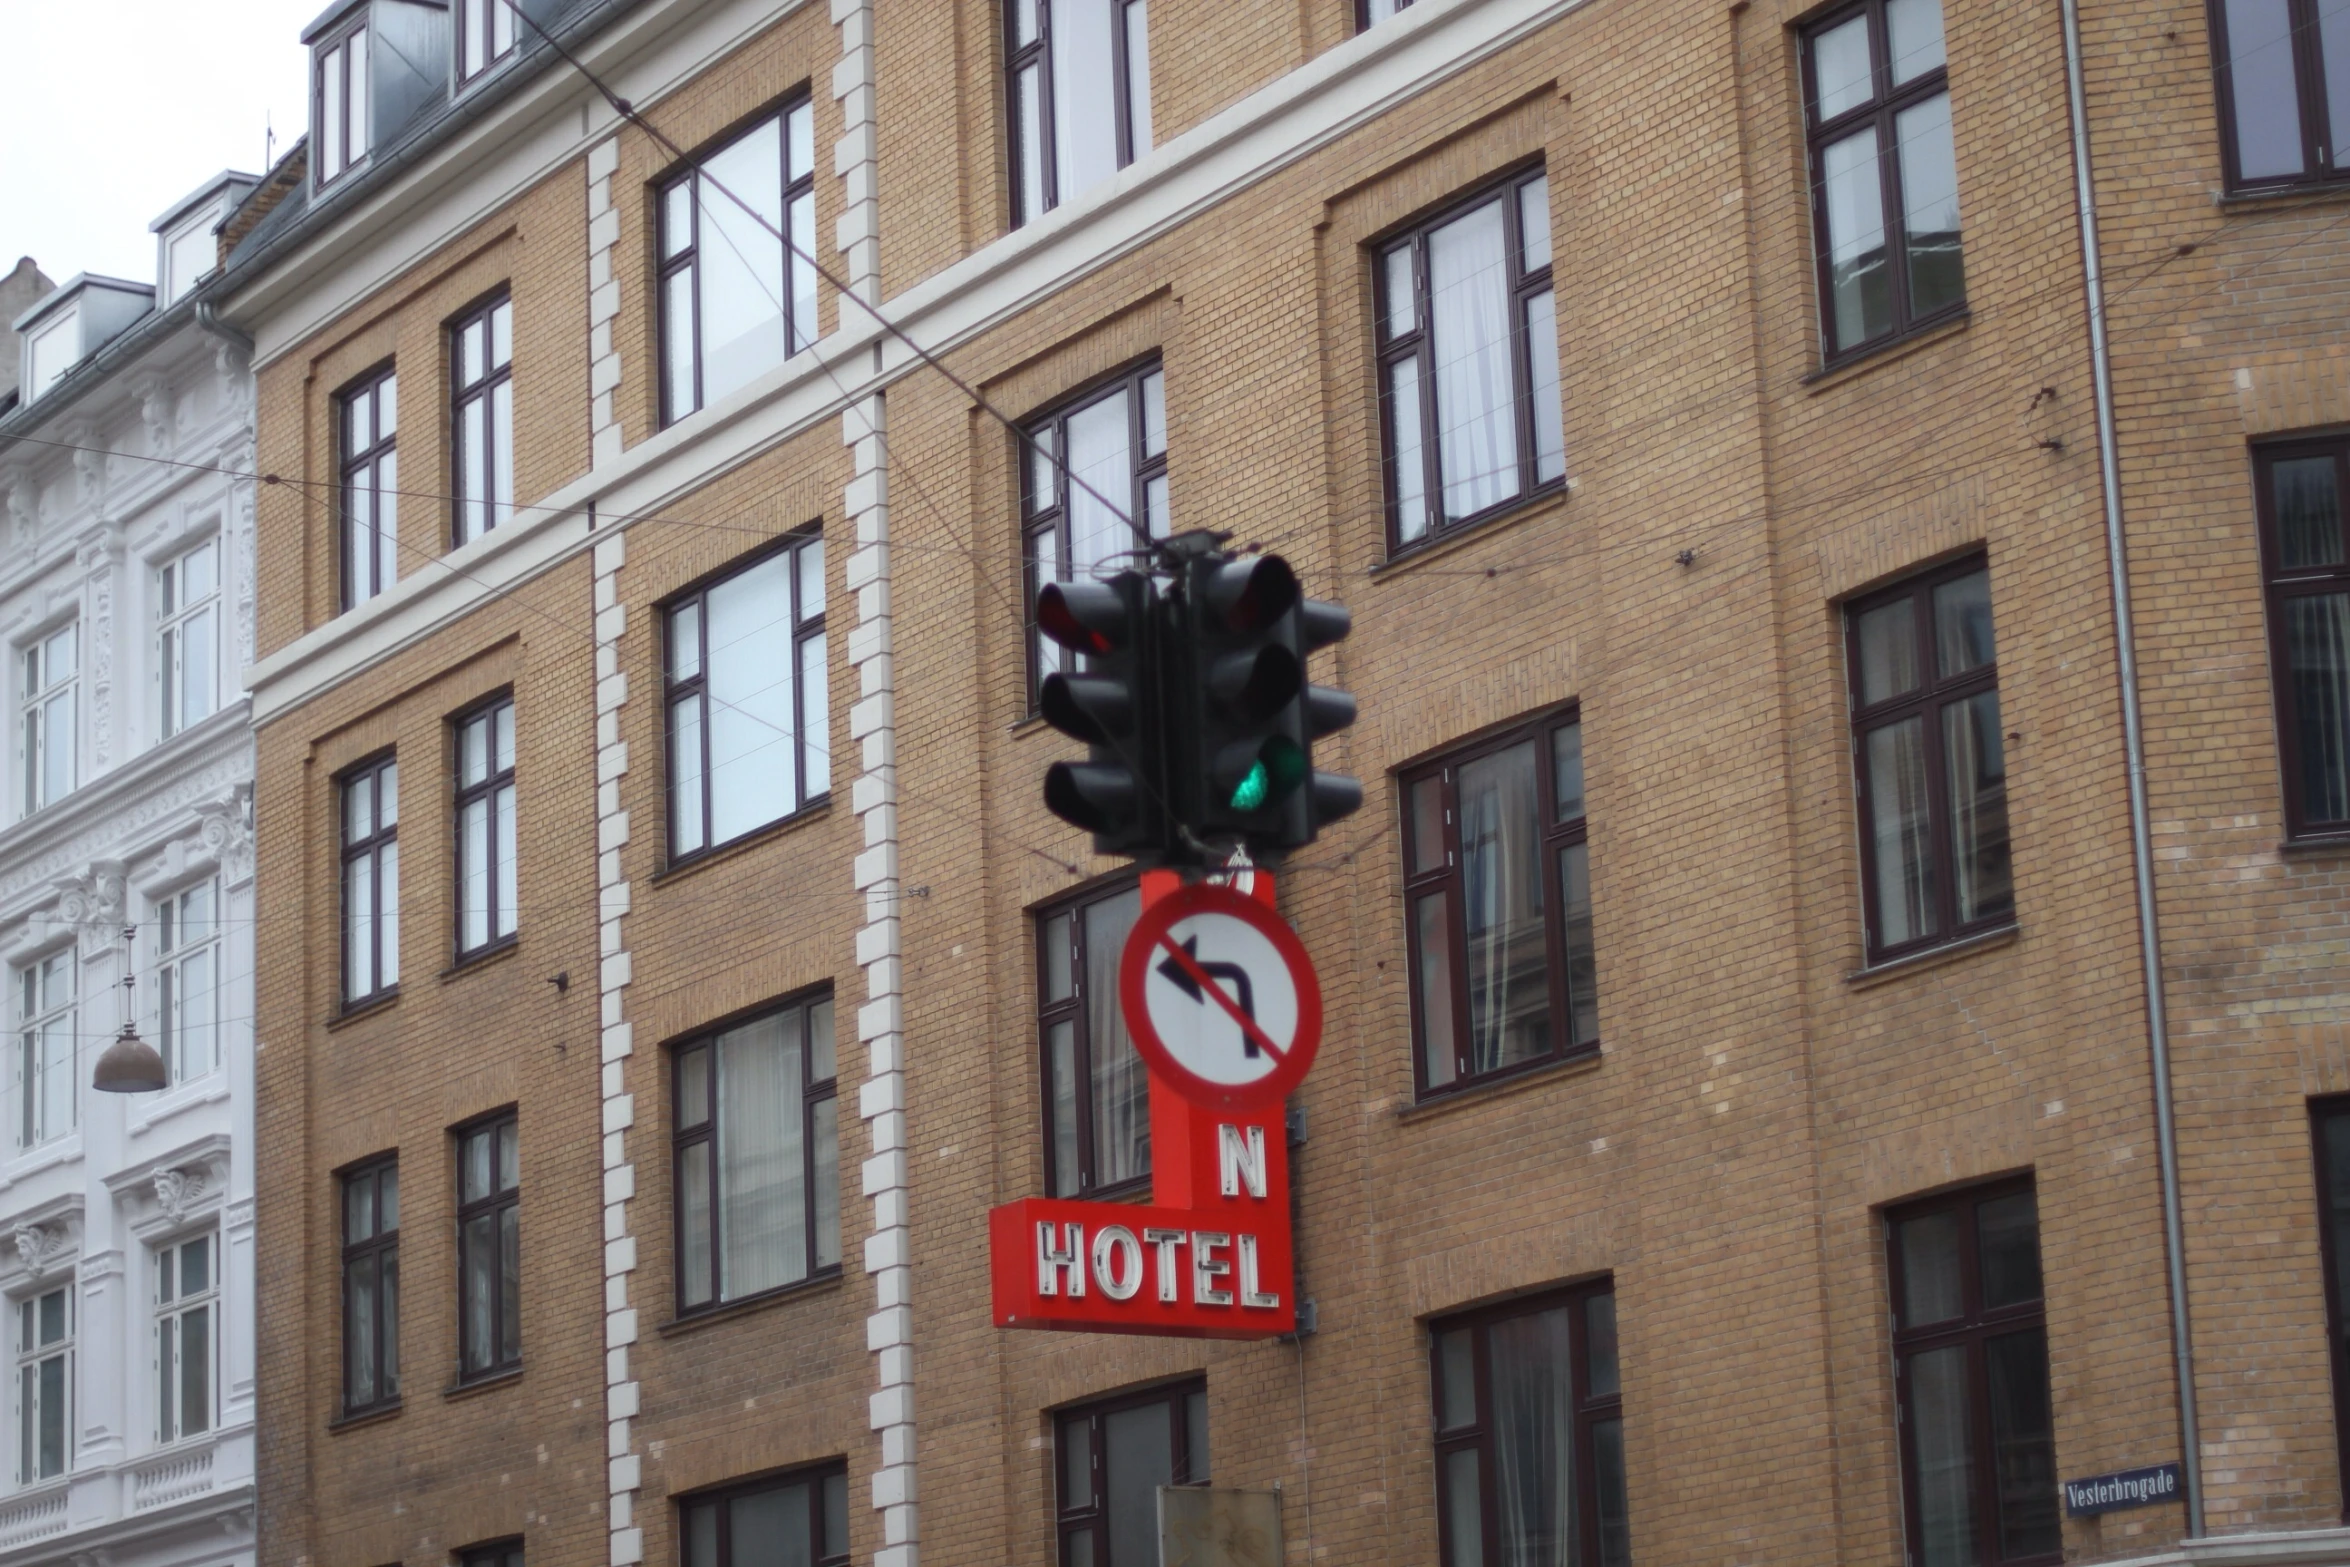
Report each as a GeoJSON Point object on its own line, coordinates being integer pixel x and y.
{"type": "Point", "coordinates": [225, 832]}
{"type": "Point", "coordinates": [92, 904]}
{"type": "Point", "coordinates": [855, 159]}
{"type": "Point", "coordinates": [155, 410]}
{"type": "Point", "coordinates": [603, 237]}
{"type": "Point", "coordinates": [89, 461]}
{"type": "Point", "coordinates": [624, 1469]}
{"type": "Point", "coordinates": [99, 556]}
{"type": "Point", "coordinates": [165, 1191]}
{"type": "Point", "coordinates": [37, 1245]}
{"type": "Point", "coordinates": [881, 1102]}
{"type": "Point", "coordinates": [24, 507]}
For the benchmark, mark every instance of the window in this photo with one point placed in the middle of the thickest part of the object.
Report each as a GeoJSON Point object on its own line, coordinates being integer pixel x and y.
{"type": "Point", "coordinates": [481, 363]}
{"type": "Point", "coordinates": [370, 488]}
{"type": "Point", "coordinates": [1469, 362]}
{"type": "Point", "coordinates": [1932, 760]}
{"type": "Point", "coordinates": [187, 1000]}
{"type": "Point", "coordinates": [1094, 1082]}
{"type": "Point", "coordinates": [46, 1081]}
{"type": "Point", "coordinates": [44, 1384]}
{"type": "Point", "coordinates": [1080, 96]}
{"type": "Point", "coordinates": [499, 1553]}
{"type": "Point", "coordinates": [54, 349]}
{"type": "Point", "coordinates": [758, 1157]}
{"type": "Point", "coordinates": [1877, 99]}
{"type": "Point", "coordinates": [1498, 906]}
{"type": "Point", "coordinates": [2331, 1143]}
{"type": "Point", "coordinates": [1530, 1433]}
{"type": "Point", "coordinates": [735, 301]}
{"type": "Point", "coordinates": [750, 736]}
{"type": "Point", "coordinates": [371, 881]}
{"type": "Point", "coordinates": [485, 35]}
{"type": "Point", "coordinates": [798, 1518]}
{"type": "Point", "coordinates": [371, 1287]}
{"type": "Point", "coordinates": [338, 106]}
{"type": "Point", "coordinates": [1113, 1457]}
{"type": "Point", "coordinates": [1970, 1352]}
{"type": "Point", "coordinates": [187, 1283]}
{"type": "Point", "coordinates": [2284, 89]}
{"type": "Point", "coordinates": [48, 727]}
{"type": "Point", "coordinates": [187, 600]}
{"type": "Point", "coordinates": [489, 1248]}
{"type": "Point", "coordinates": [187, 256]}
{"type": "Point", "coordinates": [1372, 12]}
{"type": "Point", "coordinates": [486, 897]}
{"type": "Point", "coordinates": [1113, 443]}
{"type": "Point", "coordinates": [2307, 561]}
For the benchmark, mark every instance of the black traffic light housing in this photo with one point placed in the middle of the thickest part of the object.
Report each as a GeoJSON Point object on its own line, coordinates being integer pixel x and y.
{"type": "Point", "coordinates": [1114, 702]}
{"type": "Point", "coordinates": [1243, 717]}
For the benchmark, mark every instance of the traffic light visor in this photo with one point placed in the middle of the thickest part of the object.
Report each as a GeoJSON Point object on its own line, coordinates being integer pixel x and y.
{"type": "Point", "coordinates": [1085, 617]}
{"type": "Point", "coordinates": [1250, 595]}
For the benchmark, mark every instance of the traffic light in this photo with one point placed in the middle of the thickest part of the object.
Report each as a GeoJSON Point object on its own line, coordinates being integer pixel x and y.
{"type": "Point", "coordinates": [1112, 701]}
{"type": "Point", "coordinates": [1243, 716]}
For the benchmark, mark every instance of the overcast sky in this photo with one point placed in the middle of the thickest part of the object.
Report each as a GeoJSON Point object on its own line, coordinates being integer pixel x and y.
{"type": "Point", "coordinates": [111, 110]}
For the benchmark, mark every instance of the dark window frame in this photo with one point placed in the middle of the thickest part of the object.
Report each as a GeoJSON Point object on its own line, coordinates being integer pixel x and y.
{"type": "Point", "coordinates": [483, 389]}
{"type": "Point", "coordinates": [495, 1204]}
{"type": "Point", "coordinates": [486, 13]}
{"type": "Point", "coordinates": [2280, 584]}
{"type": "Point", "coordinates": [359, 462]}
{"type": "Point", "coordinates": [688, 256]}
{"type": "Point", "coordinates": [1591, 1411]}
{"type": "Point", "coordinates": [2333, 1227]}
{"type": "Point", "coordinates": [2322, 161]}
{"type": "Point", "coordinates": [1934, 694]}
{"type": "Point", "coordinates": [381, 1246]}
{"type": "Point", "coordinates": [1038, 51]}
{"type": "Point", "coordinates": [704, 1133]}
{"type": "Point", "coordinates": [1364, 21]}
{"type": "Point", "coordinates": [337, 44]}
{"type": "Point", "coordinates": [385, 835]}
{"type": "Point", "coordinates": [1092, 1517]}
{"type": "Point", "coordinates": [818, 1477]}
{"type": "Point", "coordinates": [463, 795]}
{"type": "Point", "coordinates": [1070, 1010]}
{"type": "Point", "coordinates": [493, 1553]}
{"type": "Point", "coordinates": [804, 629]}
{"type": "Point", "coordinates": [1883, 108]}
{"type": "Point", "coordinates": [1419, 344]}
{"type": "Point", "coordinates": [1972, 1329]}
{"type": "Point", "coordinates": [1444, 766]}
{"type": "Point", "coordinates": [1047, 433]}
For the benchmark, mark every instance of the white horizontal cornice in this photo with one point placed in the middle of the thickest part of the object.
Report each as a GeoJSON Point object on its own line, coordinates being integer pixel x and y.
{"type": "Point", "coordinates": [1255, 138]}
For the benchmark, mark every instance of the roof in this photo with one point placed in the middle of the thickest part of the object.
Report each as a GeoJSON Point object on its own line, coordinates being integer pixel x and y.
{"type": "Point", "coordinates": [74, 285]}
{"type": "Point", "coordinates": [203, 193]}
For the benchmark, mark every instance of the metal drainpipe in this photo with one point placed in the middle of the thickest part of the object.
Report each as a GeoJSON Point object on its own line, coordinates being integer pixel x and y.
{"type": "Point", "coordinates": [208, 318]}
{"type": "Point", "coordinates": [2141, 835]}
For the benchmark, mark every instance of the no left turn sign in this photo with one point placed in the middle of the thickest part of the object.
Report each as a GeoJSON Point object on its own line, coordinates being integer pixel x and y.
{"type": "Point", "coordinates": [1220, 997]}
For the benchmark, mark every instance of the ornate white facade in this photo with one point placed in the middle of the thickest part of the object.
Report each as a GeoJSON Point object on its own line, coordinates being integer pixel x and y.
{"type": "Point", "coordinates": [126, 1221]}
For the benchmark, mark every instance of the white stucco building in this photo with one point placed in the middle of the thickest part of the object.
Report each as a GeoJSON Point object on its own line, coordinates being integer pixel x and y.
{"type": "Point", "coordinates": [126, 1221]}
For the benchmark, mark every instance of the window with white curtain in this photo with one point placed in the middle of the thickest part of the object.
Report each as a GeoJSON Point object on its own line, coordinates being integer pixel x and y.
{"type": "Point", "coordinates": [757, 1147]}
{"type": "Point", "coordinates": [48, 729]}
{"type": "Point", "coordinates": [188, 980]}
{"type": "Point", "coordinates": [187, 649]}
{"type": "Point", "coordinates": [339, 119]}
{"type": "Point", "coordinates": [1080, 96]}
{"type": "Point", "coordinates": [44, 1384]}
{"type": "Point", "coordinates": [735, 300]}
{"type": "Point", "coordinates": [489, 1247]}
{"type": "Point", "coordinates": [748, 692]}
{"type": "Point", "coordinates": [1094, 472]}
{"type": "Point", "coordinates": [46, 1078]}
{"type": "Point", "coordinates": [486, 856]}
{"type": "Point", "coordinates": [1530, 1434]}
{"type": "Point", "coordinates": [1469, 362]}
{"type": "Point", "coordinates": [187, 1294]}
{"type": "Point", "coordinates": [371, 881]}
{"type": "Point", "coordinates": [481, 417]}
{"type": "Point", "coordinates": [370, 486]}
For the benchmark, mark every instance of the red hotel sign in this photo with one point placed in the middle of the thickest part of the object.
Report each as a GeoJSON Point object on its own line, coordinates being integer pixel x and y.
{"type": "Point", "coordinates": [1226, 1014]}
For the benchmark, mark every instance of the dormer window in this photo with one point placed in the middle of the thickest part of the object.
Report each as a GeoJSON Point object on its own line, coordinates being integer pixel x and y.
{"type": "Point", "coordinates": [339, 105]}
{"type": "Point", "coordinates": [187, 256]}
{"type": "Point", "coordinates": [53, 349]}
{"type": "Point", "coordinates": [485, 35]}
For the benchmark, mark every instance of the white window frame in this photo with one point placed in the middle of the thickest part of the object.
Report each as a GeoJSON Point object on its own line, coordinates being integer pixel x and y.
{"type": "Point", "coordinates": [188, 981]}
{"type": "Point", "coordinates": [40, 373]}
{"type": "Point", "coordinates": [178, 277]}
{"type": "Point", "coordinates": [338, 106]}
{"type": "Point", "coordinates": [188, 696]}
{"type": "Point", "coordinates": [31, 1356]}
{"type": "Point", "coordinates": [172, 1335]}
{"type": "Point", "coordinates": [44, 1017]}
{"type": "Point", "coordinates": [48, 701]}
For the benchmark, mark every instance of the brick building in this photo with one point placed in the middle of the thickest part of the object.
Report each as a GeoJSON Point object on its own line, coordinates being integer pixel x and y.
{"type": "Point", "coordinates": [1801, 944]}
